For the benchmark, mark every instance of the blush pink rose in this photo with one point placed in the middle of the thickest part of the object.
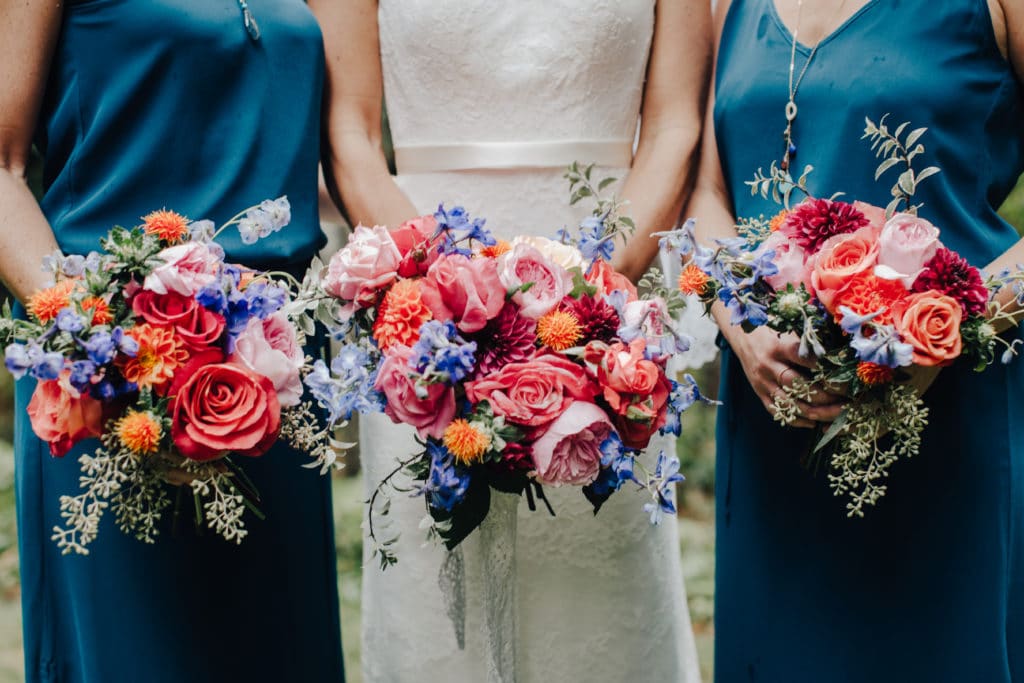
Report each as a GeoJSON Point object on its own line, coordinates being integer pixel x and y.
{"type": "Point", "coordinates": [413, 241]}
{"type": "Point", "coordinates": [874, 214]}
{"type": "Point", "coordinates": [790, 259]}
{"type": "Point", "coordinates": [569, 450]}
{"type": "Point", "coordinates": [608, 280]}
{"type": "Point", "coordinates": [906, 244]}
{"type": "Point", "coordinates": [430, 414]}
{"type": "Point", "coordinates": [464, 290]}
{"type": "Point", "coordinates": [549, 282]}
{"type": "Point", "coordinates": [534, 392]}
{"type": "Point", "coordinates": [636, 389]}
{"type": "Point", "coordinates": [364, 267]}
{"type": "Point", "coordinates": [62, 416]}
{"type": "Point", "coordinates": [268, 347]}
{"type": "Point", "coordinates": [186, 269]}
{"type": "Point", "coordinates": [840, 259]}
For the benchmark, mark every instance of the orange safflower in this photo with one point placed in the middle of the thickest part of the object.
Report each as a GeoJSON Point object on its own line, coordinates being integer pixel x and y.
{"type": "Point", "coordinates": [45, 304]}
{"type": "Point", "coordinates": [160, 354]}
{"type": "Point", "coordinates": [692, 280]}
{"type": "Point", "coordinates": [400, 315]}
{"type": "Point", "coordinates": [167, 225]}
{"type": "Point", "coordinates": [776, 222]}
{"type": "Point", "coordinates": [100, 310]}
{"type": "Point", "coordinates": [139, 432]}
{"type": "Point", "coordinates": [874, 374]}
{"type": "Point", "coordinates": [559, 330]}
{"type": "Point", "coordinates": [467, 443]}
{"type": "Point", "coordinates": [496, 250]}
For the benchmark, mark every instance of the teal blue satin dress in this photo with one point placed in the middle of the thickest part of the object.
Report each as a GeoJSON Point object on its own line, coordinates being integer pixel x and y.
{"type": "Point", "coordinates": [170, 103]}
{"type": "Point", "coordinates": [930, 586]}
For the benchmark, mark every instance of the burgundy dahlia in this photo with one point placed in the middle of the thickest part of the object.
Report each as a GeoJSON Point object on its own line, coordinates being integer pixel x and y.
{"type": "Point", "coordinates": [598, 320]}
{"type": "Point", "coordinates": [516, 458]}
{"type": "Point", "coordinates": [812, 222]}
{"type": "Point", "coordinates": [951, 274]}
{"type": "Point", "coordinates": [508, 338]}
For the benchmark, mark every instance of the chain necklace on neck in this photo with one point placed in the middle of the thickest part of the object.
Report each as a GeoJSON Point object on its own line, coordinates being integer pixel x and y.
{"type": "Point", "coordinates": [791, 110]}
{"type": "Point", "coordinates": [251, 27]}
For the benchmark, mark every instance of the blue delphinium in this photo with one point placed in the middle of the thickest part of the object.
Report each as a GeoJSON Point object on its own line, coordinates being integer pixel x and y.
{"type": "Point", "coordinates": [882, 347]}
{"type": "Point", "coordinates": [69, 321]}
{"type": "Point", "coordinates": [17, 360]}
{"type": "Point", "coordinates": [594, 244]}
{"type": "Point", "coordinates": [616, 466]}
{"type": "Point", "coordinates": [447, 482]}
{"type": "Point", "coordinates": [265, 299]}
{"type": "Point", "coordinates": [683, 395]}
{"type": "Point", "coordinates": [455, 227]}
{"type": "Point", "coordinates": [661, 486]}
{"type": "Point", "coordinates": [265, 219]}
{"type": "Point", "coordinates": [441, 355]}
{"type": "Point", "coordinates": [81, 374]}
{"type": "Point", "coordinates": [350, 388]}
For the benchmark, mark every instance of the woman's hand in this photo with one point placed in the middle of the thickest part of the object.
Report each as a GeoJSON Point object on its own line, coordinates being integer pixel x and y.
{"type": "Point", "coordinates": [771, 363]}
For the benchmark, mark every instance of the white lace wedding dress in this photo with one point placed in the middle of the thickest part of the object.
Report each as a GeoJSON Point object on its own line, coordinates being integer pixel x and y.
{"type": "Point", "coordinates": [488, 103]}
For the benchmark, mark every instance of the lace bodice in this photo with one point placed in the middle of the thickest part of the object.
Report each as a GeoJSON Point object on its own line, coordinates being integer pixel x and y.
{"type": "Point", "coordinates": [522, 70]}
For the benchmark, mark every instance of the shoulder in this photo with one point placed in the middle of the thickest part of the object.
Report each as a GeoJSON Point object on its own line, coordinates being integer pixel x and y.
{"type": "Point", "coordinates": [1008, 24]}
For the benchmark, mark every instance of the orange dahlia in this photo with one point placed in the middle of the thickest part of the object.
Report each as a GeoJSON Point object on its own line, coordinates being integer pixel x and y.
{"type": "Point", "coordinates": [559, 330]}
{"type": "Point", "coordinates": [45, 304]}
{"type": "Point", "coordinates": [139, 432]}
{"type": "Point", "coordinates": [467, 443]}
{"type": "Point", "coordinates": [692, 280]}
{"type": "Point", "coordinates": [874, 374]}
{"type": "Point", "coordinates": [776, 222]}
{"type": "Point", "coordinates": [160, 354]}
{"type": "Point", "coordinates": [167, 225]}
{"type": "Point", "coordinates": [866, 293]}
{"type": "Point", "coordinates": [100, 310]}
{"type": "Point", "coordinates": [400, 315]}
{"type": "Point", "coordinates": [496, 250]}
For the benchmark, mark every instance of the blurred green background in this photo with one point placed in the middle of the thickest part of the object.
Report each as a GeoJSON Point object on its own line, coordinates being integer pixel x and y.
{"type": "Point", "coordinates": [696, 542]}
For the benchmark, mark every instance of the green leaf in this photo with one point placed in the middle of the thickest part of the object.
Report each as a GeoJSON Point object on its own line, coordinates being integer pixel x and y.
{"type": "Point", "coordinates": [913, 136]}
{"type": "Point", "coordinates": [605, 183]}
{"type": "Point", "coordinates": [885, 166]}
{"type": "Point", "coordinates": [926, 173]}
{"type": "Point", "coordinates": [906, 182]}
{"type": "Point", "coordinates": [834, 430]}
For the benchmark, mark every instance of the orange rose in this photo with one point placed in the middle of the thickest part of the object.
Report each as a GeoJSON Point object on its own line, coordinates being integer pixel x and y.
{"type": "Point", "coordinates": [607, 280]}
{"type": "Point", "coordinates": [867, 293]}
{"type": "Point", "coordinates": [930, 322]}
{"type": "Point", "coordinates": [841, 258]}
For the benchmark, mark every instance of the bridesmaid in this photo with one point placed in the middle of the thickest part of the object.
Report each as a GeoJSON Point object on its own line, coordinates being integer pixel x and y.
{"type": "Point", "coordinates": [930, 586]}
{"type": "Point", "coordinates": [136, 106]}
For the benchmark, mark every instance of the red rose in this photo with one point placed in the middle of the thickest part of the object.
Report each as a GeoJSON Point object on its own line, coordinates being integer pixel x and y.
{"type": "Point", "coordinates": [636, 389]}
{"type": "Point", "coordinates": [197, 327]}
{"type": "Point", "coordinates": [223, 409]}
{"type": "Point", "coordinates": [533, 392]}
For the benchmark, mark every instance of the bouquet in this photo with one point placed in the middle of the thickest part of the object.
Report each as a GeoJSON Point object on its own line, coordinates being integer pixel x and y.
{"type": "Point", "coordinates": [519, 364]}
{"type": "Point", "coordinates": [870, 292]}
{"type": "Point", "coordinates": [177, 361]}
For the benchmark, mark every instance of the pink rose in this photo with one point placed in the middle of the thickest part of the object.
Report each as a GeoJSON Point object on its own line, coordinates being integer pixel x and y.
{"type": "Point", "coordinates": [874, 214]}
{"type": "Point", "coordinates": [413, 241]}
{"type": "Point", "coordinates": [268, 347]}
{"type": "Point", "coordinates": [549, 282]}
{"type": "Point", "coordinates": [636, 389]}
{"type": "Point", "coordinates": [466, 291]}
{"type": "Point", "coordinates": [906, 244]}
{"type": "Point", "coordinates": [429, 414]}
{"type": "Point", "coordinates": [569, 451]}
{"type": "Point", "coordinates": [62, 416]}
{"type": "Point", "coordinates": [790, 259]}
{"type": "Point", "coordinates": [364, 267]}
{"type": "Point", "coordinates": [840, 259]}
{"type": "Point", "coordinates": [608, 280]}
{"type": "Point", "coordinates": [186, 269]}
{"type": "Point", "coordinates": [534, 392]}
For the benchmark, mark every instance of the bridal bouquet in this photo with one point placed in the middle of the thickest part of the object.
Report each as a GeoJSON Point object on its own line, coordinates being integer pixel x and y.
{"type": "Point", "coordinates": [871, 293]}
{"type": "Point", "coordinates": [176, 360]}
{"type": "Point", "coordinates": [519, 364]}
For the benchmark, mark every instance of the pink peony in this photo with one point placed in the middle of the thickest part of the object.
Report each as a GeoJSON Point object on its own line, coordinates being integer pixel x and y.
{"type": "Point", "coordinates": [813, 221]}
{"type": "Point", "coordinates": [364, 267]}
{"type": "Point", "coordinates": [535, 392]}
{"type": "Point", "coordinates": [62, 416]}
{"type": "Point", "coordinates": [413, 241]}
{"type": "Point", "coordinates": [268, 347]}
{"type": "Point", "coordinates": [840, 259]}
{"type": "Point", "coordinates": [186, 269]}
{"type": "Point", "coordinates": [466, 291]}
{"type": "Point", "coordinates": [906, 244]}
{"type": "Point", "coordinates": [548, 282]}
{"type": "Point", "coordinates": [569, 451]}
{"type": "Point", "coordinates": [789, 259]}
{"type": "Point", "coordinates": [429, 414]}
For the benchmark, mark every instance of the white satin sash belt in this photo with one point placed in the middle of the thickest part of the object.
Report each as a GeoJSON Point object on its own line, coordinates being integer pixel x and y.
{"type": "Point", "coordinates": [509, 155]}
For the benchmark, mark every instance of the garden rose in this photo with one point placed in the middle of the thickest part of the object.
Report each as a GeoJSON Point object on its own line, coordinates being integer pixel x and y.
{"type": "Point", "coordinates": [196, 326]}
{"type": "Point", "coordinates": [636, 389]}
{"type": "Point", "coordinates": [565, 255]}
{"type": "Point", "coordinates": [569, 450]}
{"type": "Point", "coordinates": [608, 280]}
{"type": "Point", "coordinates": [906, 244]}
{"type": "Point", "coordinates": [548, 281]}
{"type": "Point", "coordinates": [413, 241]}
{"type": "Point", "coordinates": [365, 266]}
{"type": "Point", "coordinates": [789, 259]}
{"type": "Point", "coordinates": [874, 214]}
{"type": "Point", "coordinates": [930, 322]}
{"type": "Point", "coordinates": [467, 291]}
{"type": "Point", "coordinates": [430, 414]}
{"type": "Point", "coordinates": [268, 347]}
{"type": "Point", "coordinates": [62, 416]}
{"type": "Point", "coordinates": [840, 259]}
{"type": "Point", "coordinates": [224, 408]}
{"type": "Point", "coordinates": [186, 269]}
{"type": "Point", "coordinates": [534, 392]}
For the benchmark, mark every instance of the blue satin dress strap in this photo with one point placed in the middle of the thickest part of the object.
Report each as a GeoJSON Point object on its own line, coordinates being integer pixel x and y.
{"type": "Point", "coordinates": [170, 103]}
{"type": "Point", "coordinates": [930, 586]}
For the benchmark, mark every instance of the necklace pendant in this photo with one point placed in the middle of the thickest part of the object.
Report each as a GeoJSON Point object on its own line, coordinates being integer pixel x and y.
{"type": "Point", "coordinates": [790, 111]}
{"type": "Point", "coordinates": [251, 26]}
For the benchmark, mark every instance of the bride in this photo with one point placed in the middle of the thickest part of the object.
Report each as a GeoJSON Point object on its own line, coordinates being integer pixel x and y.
{"type": "Point", "coordinates": [488, 103]}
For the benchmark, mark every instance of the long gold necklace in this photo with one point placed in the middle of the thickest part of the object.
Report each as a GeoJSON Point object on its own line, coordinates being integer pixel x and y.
{"type": "Point", "coordinates": [791, 110]}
